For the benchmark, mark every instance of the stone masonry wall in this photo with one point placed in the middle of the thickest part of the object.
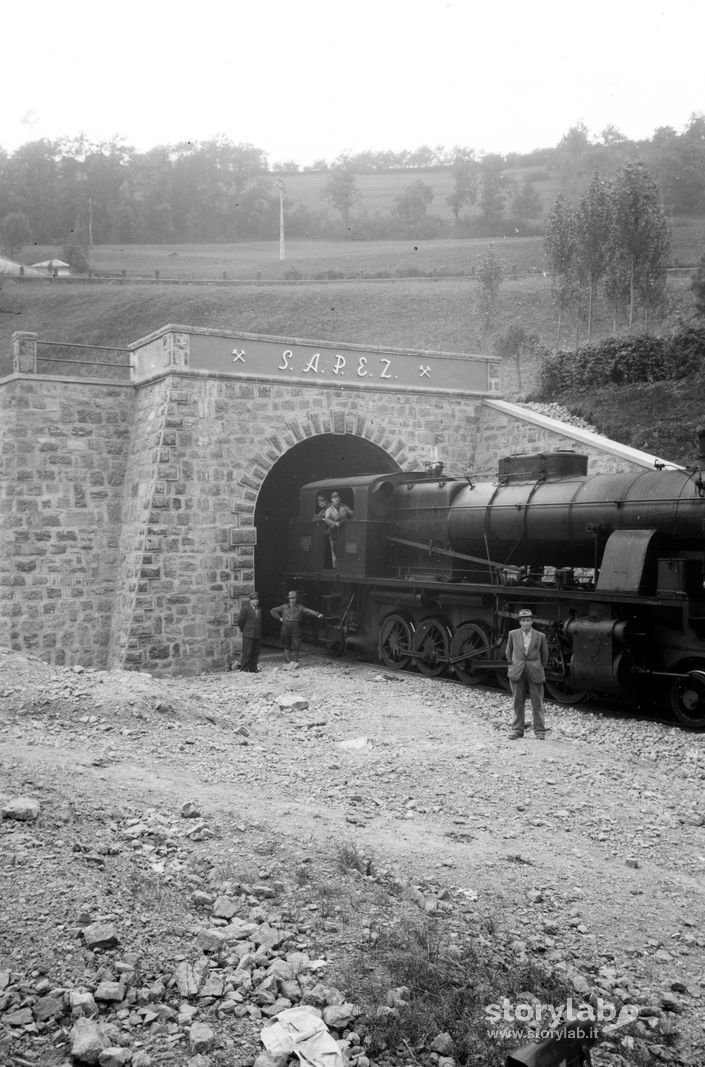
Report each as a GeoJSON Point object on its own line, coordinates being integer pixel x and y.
{"type": "Point", "coordinates": [189, 552]}
{"type": "Point", "coordinates": [63, 445]}
{"type": "Point", "coordinates": [127, 533]}
{"type": "Point", "coordinates": [139, 535]}
{"type": "Point", "coordinates": [502, 434]}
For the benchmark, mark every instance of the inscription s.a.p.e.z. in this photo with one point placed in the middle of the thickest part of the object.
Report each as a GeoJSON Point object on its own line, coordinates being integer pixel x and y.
{"type": "Point", "coordinates": [341, 366]}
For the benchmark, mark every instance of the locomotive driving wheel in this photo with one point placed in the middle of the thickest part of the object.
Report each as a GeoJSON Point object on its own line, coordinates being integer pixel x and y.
{"type": "Point", "coordinates": [432, 642]}
{"type": "Point", "coordinates": [395, 638]}
{"type": "Point", "coordinates": [558, 684]}
{"type": "Point", "coordinates": [468, 647]}
{"type": "Point", "coordinates": [688, 699]}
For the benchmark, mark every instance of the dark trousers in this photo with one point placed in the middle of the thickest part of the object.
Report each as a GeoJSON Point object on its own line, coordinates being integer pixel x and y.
{"type": "Point", "coordinates": [291, 640]}
{"type": "Point", "coordinates": [250, 654]}
{"type": "Point", "coordinates": [522, 688]}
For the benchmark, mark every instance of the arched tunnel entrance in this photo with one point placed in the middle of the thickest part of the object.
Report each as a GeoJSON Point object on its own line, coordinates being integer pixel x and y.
{"type": "Point", "coordinates": [324, 456]}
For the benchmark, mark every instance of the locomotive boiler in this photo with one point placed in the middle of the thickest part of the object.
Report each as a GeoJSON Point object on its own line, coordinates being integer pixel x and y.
{"type": "Point", "coordinates": [431, 571]}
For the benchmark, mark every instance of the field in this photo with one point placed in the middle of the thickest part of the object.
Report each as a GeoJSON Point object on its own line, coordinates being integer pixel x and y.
{"type": "Point", "coordinates": [260, 259]}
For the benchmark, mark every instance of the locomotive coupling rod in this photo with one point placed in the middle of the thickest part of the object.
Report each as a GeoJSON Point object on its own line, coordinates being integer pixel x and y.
{"type": "Point", "coordinates": [429, 547]}
{"type": "Point", "coordinates": [696, 675]}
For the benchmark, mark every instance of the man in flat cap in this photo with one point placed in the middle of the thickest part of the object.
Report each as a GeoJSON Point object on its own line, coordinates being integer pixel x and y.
{"type": "Point", "coordinates": [527, 652]}
{"type": "Point", "coordinates": [250, 626]}
{"type": "Point", "coordinates": [290, 616]}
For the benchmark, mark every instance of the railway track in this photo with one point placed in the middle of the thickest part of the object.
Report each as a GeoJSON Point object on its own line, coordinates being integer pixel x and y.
{"type": "Point", "coordinates": [592, 705]}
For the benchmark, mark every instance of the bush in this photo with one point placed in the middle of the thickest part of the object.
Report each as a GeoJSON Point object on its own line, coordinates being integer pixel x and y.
{"type": "Point", "coordinates": [442, 985]}
{"type": "Point", "coordinates": [624, 361]}
{"type": "Point", "coordinates": [76, 259]}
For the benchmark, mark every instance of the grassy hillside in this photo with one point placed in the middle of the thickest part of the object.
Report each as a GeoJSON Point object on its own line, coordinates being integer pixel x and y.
{"type": "Point", "coordinates": [440, 314]}
{"type": "Point", "coordinates": [661, 417]}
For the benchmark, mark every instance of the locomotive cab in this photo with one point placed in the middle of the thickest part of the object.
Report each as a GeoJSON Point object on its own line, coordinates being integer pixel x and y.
{"type": "Point", "coordinates": [361, 545]}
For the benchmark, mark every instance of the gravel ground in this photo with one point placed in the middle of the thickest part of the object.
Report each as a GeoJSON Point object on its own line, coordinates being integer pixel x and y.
{"type": "Point", "coordinates": [172, 810]}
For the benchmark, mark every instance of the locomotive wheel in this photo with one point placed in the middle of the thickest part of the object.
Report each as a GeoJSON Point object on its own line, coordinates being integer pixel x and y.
{"type": "Point", "coordinates": [395, 638]}
{"type": "Point", "coordinates": [563, 692]}
{"type": "Point", "coordinates": [557, 684]}
{"type": "Point", "coordinates": [688, 700]}
{"type": "Point", "coordinates": [471, 642]}
{"type": "Point", "coordinates": [432, 641]}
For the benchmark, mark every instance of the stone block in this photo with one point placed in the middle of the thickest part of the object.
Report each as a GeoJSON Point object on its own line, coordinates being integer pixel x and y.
{"type": "Point", "coordinates": [243, 535]}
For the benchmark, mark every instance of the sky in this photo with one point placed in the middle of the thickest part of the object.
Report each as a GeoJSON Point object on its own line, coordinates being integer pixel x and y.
{"type": "Point", "coordinates": [305, 80]}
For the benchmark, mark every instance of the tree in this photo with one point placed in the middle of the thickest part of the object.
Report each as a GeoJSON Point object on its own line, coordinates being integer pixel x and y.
{"type": "Point", "coordinates": [515, 342]}
{"type": "Point", "coordinates": [527, 202]}
{"type": "Point", "coordinates": [32, 172]}
{"type": "Point", "coordinates": [572, 152]}
{"type": "Point", "coordinates": [611, 136]}
{"type": "Point", "coordinates": [464, 168]}
{"type": "Point", "coordinates": [679, 166]}
{"type": "Point", "coordinates": [413, 202]}
{"type": "Point", "coordinates": [215, 187]}
{"type": "Point", "coordinates": [422, 157]}
{"type": "Point", "coordinates": [489, 279]}
{"type": "Point", "coordinates": [697, 286]}
{"type": "Point", "coordinates": [341, 191]}
{"type": "Point", "coordinates": [15, 232]}
{"type": "Point", "coordinates": [76, 258]}
{"type": "Point", "coordinates": [492, 191]}
{"type": "Point", "coordinates": [560, 243]}
{"type": "Point", "coordinates": [641, 240]}
{"type": "Point", "coordinates": [593, 227]}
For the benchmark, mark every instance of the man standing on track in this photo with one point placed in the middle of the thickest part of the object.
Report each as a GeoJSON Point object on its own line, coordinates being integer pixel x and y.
{"type": "Point", "coordinates": [527, 652]}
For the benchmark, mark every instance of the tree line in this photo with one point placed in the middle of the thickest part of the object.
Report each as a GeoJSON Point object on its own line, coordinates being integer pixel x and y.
{"type": "Point", "coordinates": [76, 192]}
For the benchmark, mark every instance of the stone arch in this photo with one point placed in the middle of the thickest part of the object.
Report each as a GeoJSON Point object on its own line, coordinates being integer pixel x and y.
{"type": "Point", "coordinates": [275, 482]}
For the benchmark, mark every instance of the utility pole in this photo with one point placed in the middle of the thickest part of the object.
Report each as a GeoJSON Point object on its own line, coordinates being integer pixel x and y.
{"type": "Point", "coordinates": [282, 190]}
{"type": "Point", "coordinates": [90, 232]}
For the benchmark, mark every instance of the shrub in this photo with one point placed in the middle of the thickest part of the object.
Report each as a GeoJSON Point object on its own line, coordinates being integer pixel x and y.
{"type": "Point", "coordinates": [443, 986]}
{"type": "Point", "coordinates": [76, 258]}
{"type": "Point", "coordinates": [624, 361]}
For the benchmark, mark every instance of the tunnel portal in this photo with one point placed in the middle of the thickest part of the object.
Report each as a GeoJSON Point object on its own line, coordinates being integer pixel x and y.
{"type": "Point", "coordinates": [324, 456]}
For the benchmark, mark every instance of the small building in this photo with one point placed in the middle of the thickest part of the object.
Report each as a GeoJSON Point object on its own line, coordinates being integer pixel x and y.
{"type": "Point", "coordinates": [56, 267]}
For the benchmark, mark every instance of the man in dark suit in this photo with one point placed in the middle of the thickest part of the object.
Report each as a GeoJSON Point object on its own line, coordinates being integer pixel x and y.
{"type": "Point", "coordinates": [527, 652]}
{"type": "Point", "coordinates": [250, 626]}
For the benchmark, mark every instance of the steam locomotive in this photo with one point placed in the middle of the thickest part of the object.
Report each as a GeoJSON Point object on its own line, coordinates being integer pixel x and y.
{"type": "Point", "coordinates": [431, 571]}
